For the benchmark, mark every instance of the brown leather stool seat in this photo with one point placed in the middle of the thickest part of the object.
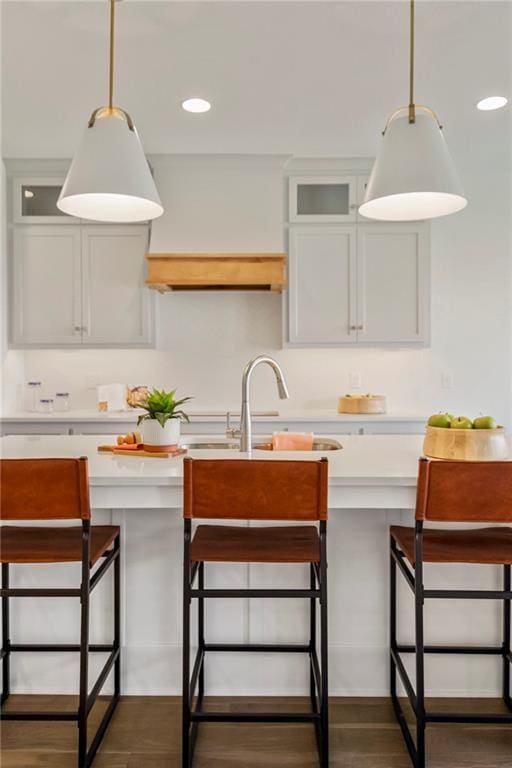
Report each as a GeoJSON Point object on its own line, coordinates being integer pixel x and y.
{"type": "Point", "coordinates": [486, 546]}
{"type": "Point", "coordinates": [53, 545]}
{"type": "Point", "coordinates": [236, 544]}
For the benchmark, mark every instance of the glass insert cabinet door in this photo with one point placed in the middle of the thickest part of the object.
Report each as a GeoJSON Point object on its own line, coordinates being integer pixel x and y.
{"type": "Point", "coordinates": [323, 198]}
{"type": "Point", "coordinates": [35, 201]}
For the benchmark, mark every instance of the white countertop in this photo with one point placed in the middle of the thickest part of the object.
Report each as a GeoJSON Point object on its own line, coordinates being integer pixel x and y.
{"type": "Point", "coordinates": [364, 460]}
{"type": "Point", "coordinates": [90, 415]}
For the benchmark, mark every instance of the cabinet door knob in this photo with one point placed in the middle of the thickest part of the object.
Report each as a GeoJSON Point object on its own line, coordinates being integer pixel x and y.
{"type": "Point", "coordinates": [78, 328]}
{"type": "Point", "coordinates": [360, 327]}
{"type": "Point", "coordinates": [353, 327]}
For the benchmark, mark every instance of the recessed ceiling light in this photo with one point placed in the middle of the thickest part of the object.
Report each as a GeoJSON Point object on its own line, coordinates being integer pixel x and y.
{"type": "Point", "coordinates": [492, 102]}
{"type": "Point", "coordinates": [28, 193]}
{"type": "Point", "coordinates": [196, 105]}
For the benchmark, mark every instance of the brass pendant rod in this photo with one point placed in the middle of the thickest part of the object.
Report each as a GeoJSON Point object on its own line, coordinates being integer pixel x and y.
{"type": "Point", "coordinates": [111, 55]}
{"type": "Point", "coordinates": [412, 108]}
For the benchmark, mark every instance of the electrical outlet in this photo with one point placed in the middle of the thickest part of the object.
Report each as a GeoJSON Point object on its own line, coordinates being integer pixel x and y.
{"type": "Point", "coordinates": [447, 380]}
{"type": "Point", "coordinates": [354, 380]}
{"type": "Point", "coordinates": [92, 380]}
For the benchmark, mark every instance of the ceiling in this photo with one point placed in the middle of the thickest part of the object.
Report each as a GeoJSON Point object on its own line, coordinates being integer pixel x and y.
{"type": "Point", "coordinates": [310, 78]}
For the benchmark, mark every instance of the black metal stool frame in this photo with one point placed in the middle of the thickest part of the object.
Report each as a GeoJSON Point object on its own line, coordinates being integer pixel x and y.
{"type": "Point", "coordinates": [193, 714]}
{"type": "Point", "coordinates": [86, 700]}
{"type": "Point", "coordinates": [414, 579]}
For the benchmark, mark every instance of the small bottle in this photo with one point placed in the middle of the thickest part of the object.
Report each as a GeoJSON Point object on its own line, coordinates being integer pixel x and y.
{"type": "Point", "coordinates": [33, 394]}
{"type": "Point", "coordinates": [61, 401]}
{"type": "Point", "coordinates": [46, 405]}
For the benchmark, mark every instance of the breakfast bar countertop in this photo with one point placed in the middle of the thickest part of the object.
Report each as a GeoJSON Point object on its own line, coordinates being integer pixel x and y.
{"type": "Point", "coordinates": [363, 459]}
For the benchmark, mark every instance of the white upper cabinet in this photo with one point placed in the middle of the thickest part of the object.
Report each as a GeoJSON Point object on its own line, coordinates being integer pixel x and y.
{"type": "Point", "coordinates": [322, 281]}
{"type": "Point", "coordinates": [362, 284]}
{"type": "Point", "coordinates": [45, 302]}
{"type": "Point", "coordinates": [80, 286]}
{"type": "Point", "coordinates": [322, 198]}
{"type": "Point", "coordinates": [393, 276]}
{"type": "Point", "coordinates": [115, 303]}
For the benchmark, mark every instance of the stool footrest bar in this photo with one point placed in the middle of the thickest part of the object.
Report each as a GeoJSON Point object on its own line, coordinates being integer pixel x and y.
{"type": "Point", "coordinates": [453, 717]}
{"type": "Point", "coordinates": [244, 593]}
{"type": "Point", "coordinates": [254, 717]}
{"type": "Point", "coordinates": [256, 648]}
{"type": "Point", "coordinates": [453, 649]}
{"type": "Point", "coordinates": [467, 594]}
{"type": "Point", "coordinates": [55, 647]}
{"type": "Point", "coordinates": [35, 715]}
{"type": "Point", "coordinates": [38, 592]}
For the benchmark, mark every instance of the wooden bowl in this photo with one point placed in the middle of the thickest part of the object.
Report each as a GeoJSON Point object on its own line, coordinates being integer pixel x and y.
{"type": "Point", "coordinates": [358, 404]}
{"type": "Point", "coordinates": [466, 444]}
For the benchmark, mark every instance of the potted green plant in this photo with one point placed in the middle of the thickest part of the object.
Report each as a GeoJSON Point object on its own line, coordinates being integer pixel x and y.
{"type": "Point", "coordinates": [161, 423]}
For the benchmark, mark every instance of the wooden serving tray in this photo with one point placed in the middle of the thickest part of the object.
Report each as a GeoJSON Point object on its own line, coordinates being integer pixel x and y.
{"type": "Point", "coordinates": [357, 404]}
{"type": "Point", "coordinates": [136, 451]}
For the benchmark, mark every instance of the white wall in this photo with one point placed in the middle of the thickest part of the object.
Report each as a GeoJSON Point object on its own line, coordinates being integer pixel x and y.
{"type": "Point", "coordinates": [236, 203]}
{"type": "Point", "coordinates": [11, 362]}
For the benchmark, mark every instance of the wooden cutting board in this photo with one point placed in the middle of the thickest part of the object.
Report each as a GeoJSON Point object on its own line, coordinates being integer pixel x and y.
{"type": "Point", "coordinates": [139, 452]}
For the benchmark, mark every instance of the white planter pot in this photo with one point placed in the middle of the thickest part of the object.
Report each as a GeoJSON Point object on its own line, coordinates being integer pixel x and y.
{"type": "Point", "coordinates": [157, 438]}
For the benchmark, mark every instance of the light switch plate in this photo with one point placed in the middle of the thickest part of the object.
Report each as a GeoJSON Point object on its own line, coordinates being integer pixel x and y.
{"type": "Point", "coordinates": [447, 380]}
{"type": "Point", "coordinates": [354, 380]}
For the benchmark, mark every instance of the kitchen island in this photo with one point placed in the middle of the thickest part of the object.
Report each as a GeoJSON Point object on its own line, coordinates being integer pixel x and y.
{"type": "Point", "coordinates": [372, 484]}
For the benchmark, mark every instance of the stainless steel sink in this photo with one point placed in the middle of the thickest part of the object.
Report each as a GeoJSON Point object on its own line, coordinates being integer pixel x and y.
{"type": "Point", "coordinates": [217, 446]}
{"type": "Point", "coordinates": [319, 444]}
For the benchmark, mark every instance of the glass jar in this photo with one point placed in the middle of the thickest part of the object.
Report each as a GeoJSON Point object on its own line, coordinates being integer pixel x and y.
{"type": "Point", "coordinates": [61, 401]}
{"type": "Point", "coordinates": [33, 393]}
{"type": "Point", "coordinates": [46, 405]}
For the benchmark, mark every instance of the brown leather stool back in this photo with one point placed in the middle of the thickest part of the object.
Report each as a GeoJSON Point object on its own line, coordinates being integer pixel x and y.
{"type": "Point", "coordinates": [44, 489]}
{"type": "Point", "coordinates": [246, 489]}
{"type": "Point", "coordinates": [464, 491]}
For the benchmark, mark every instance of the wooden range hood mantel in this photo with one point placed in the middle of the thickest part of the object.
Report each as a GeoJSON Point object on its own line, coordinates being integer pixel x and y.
{"type": "Point", "coordinates": [216, 271]}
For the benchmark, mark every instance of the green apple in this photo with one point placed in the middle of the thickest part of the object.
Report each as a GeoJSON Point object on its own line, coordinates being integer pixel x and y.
{"type": "Point", "coordinates": [461, 422]}
{"type": "Point", "coordinates": [485, 422]}
{"type": "Point", "coordinates": [440, 420]}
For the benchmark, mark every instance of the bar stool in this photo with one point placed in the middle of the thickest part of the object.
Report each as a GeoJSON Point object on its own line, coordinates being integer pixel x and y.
{"type": "Point", "coordinates": [454, 491]}
{"type": "Point", "coordinates": [257, 490]}
{"type": "Point", "coordinates": [57, 489]}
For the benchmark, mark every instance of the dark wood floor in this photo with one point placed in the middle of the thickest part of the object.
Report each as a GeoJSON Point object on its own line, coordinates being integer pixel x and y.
{"type": "Point", "coordinates": [145, 734]}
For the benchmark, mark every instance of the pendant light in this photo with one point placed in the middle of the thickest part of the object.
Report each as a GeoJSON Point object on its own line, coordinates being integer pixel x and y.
{"type": "Point", "coordinates": [109, 178]}
{"type": "Point", "coordinates": [413, 176]}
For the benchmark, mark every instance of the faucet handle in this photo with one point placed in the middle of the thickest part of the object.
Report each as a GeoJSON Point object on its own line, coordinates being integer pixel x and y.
{"type": "Point", "coordinates": [232, 432]}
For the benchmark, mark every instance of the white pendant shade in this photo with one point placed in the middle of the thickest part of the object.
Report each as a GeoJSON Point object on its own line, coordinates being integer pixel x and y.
{"type": "Point", "coordinates": [109, 178]}
{"type": "Point", "coordinates": [413, 176]}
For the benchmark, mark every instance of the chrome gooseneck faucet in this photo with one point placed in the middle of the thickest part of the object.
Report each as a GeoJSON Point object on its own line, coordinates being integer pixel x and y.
{"type": "Point", "coordinates": [245, 420]}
